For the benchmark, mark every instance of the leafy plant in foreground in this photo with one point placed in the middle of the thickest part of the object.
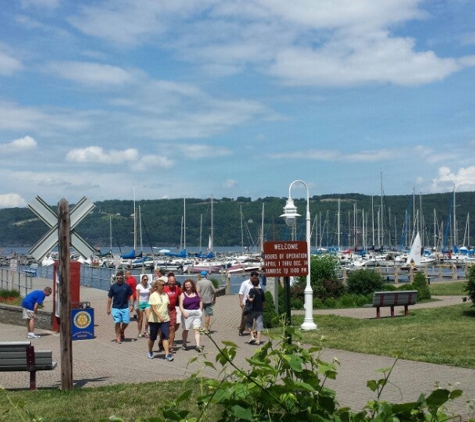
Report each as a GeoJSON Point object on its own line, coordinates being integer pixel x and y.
{"type": "Point", "coordinates": [287, 382]}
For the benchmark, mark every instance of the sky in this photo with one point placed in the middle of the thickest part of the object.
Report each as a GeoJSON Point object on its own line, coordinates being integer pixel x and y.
{"type": "Point", "coordinates": [153, 99]}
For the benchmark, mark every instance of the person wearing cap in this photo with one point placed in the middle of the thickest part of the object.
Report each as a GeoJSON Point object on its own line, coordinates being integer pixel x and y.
{"type": "Point", "coordinates": [207, 293]}
{"type": "Point", "coordinates": [246, 286]}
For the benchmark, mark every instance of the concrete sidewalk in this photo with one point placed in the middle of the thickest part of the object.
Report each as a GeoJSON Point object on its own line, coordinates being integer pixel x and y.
{"type": "Point", "coordinates": [101, 361]}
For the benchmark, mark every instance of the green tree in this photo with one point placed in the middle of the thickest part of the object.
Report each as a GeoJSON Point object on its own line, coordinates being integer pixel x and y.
{"type": "Point", "coordinates": [324, 277]}
{"type": "Point", "coordinates": [420, 284]}
{"type": "Point", "coordinates": [470, 287]}
{"type": "Point", "coordinates": [364, 282]}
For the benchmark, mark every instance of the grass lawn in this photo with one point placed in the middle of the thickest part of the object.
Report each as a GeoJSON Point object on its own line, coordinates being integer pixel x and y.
{"type": "Point", "coordinates": [127, 401]}
{"type": "Point", "coordinates": [441, 335]}
{"type": "Point", "coordinates": [448, 288]}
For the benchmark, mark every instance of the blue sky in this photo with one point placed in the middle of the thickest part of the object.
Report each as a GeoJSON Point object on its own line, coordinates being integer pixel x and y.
{"type": "Point", "coordinates": [235, 98]}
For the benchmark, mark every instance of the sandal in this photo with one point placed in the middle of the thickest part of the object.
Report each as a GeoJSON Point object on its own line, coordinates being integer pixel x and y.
{"type": "Point", "coordinates": [257, 343]}
{"type": "Point", "coordinates": [252, 341]}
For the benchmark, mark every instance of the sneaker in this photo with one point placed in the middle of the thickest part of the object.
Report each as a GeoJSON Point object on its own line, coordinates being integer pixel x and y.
{"type": "Point", "coordinates": [139, 335]}
{"type": "Point", "coordinates": [199, 349]}
{"type": "Point", "coordinates": [184, 347]}
{"type": "Point", "coordinates": [33, 336]}
{"type": "Point", "coordinates": [150, 355]}
{"type": "Point", "coordinates": [169, 357]}
{"type": "Point", "coordinates": [251, 341]}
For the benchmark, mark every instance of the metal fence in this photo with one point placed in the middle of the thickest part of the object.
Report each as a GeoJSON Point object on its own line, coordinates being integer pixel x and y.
{"type": "Point", "coordinates": [16, 280]}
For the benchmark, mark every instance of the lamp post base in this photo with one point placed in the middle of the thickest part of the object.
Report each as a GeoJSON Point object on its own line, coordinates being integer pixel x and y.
{"type": "Point", "coordinates": [308, 323]}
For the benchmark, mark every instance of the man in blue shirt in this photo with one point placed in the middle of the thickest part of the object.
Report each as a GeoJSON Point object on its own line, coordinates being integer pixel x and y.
{"type": "Point", "coordinates": [30, 304]}
{"type": "Point", "coordinates": [118, 304]}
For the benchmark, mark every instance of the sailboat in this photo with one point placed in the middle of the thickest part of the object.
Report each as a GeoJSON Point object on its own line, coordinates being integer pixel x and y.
{"type": "Point", "coordinates": [132, 254]}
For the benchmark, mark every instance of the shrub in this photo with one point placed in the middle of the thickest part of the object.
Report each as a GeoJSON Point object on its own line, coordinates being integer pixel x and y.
{"type": "Point", "coordinates": [317, 303]}
{"type": "Point", "coordinates": [270, 317]}
{"type": "Point", "coordinates": [330, 302]}
{"type": "Point", "coordinates": [324, 277]}
{"type": "Point", "coordinates": [296, 304]}
{"type": "Point", "coordinates": [389, 287]}
{"type": "Point", "coordinates": [351, 300]}
{"type": "Point", "coordinates": [364, 282]}
{"type": "Point", "coordinates": [420, 284]}
{"type": "Point", "coordinates": [6, 294]}
{"type": "Point", "coordinates": [470, 287]}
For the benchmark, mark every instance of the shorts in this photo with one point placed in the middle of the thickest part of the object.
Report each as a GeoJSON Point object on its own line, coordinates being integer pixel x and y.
{"type": "Point", "coordinates": [178, 314]}
{"type": "Point", "coordinates": [28, 314]}
{"type": "Point", "coordinates": [193, 320]}
{"type": "Point", "coordinates": [143, 306]}
{"type": "Point", "coordinates": [121, 315]}
{"type": "Point", "coordinates": [162, 327]}
{"type": "Point", "coordinates": [257, 318]}
{"type": "Point", "coordinates": [172, 314]}
{"type": "Point", "coordinates": [208, 309]}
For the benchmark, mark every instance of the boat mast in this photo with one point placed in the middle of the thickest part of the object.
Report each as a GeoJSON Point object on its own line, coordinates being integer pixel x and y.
{"type": "Point", "coordinates": [455, 240]}
{"type": "Point", "coordinates": [201, 230]}
{"type": "Point", "coordinates": [262, 229]}
{"type": "Point", "coordinates": [110, 232]}
{"type": "Point", "coordinates": [212, 225]}
{"type": "Point", "coordinates": [338, 224]}
{"type": "Point", "coordinates": [140, 229]}
{"type": "Point", "coordinates": [135, 225]}
{"type": "Point", "coordinates": [242, 229]}
{"type": "Point", "coordinates": [184, 224]}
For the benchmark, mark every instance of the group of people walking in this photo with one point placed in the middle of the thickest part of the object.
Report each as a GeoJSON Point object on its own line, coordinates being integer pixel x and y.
{"type": "Point", "coordinates": [161, 306]}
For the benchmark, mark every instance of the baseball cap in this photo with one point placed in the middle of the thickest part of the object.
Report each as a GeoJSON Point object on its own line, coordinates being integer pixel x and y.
{"type": "Point", "coordinates": [204, 273]}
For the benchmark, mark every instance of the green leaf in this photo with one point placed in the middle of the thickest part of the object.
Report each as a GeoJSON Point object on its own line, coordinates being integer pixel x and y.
{"type": "Point", "coordinates": [438, 397]}
{"type": "Point", "coordinates": [241, 413]}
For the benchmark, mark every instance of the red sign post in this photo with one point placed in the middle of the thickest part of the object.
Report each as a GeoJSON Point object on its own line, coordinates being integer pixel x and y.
{"type": "Point", "coordinates": [286, 259]}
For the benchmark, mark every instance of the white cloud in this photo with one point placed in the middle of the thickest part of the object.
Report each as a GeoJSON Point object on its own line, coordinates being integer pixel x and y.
{"type": "Point", "coordinates": [463, 179]}
{"type": "Point", "coordinates": [88, 73]}
{"type": "Point", "coordinates": [304, 42]}
{"type": "Point", "coordinates": [230, 183]}
{"type": "Point", "coordinates": [8, 63]}
{"type": "Point", "coordinates": [12, 200]}
{"type": "Point", "coordinates": [376, 59]}
{"type": "Point", "coordinates": [18, 145]}
{"type": "Point", "coordinates": [151, 163]}
{"type": "Point", "coordinates": [94, 154]}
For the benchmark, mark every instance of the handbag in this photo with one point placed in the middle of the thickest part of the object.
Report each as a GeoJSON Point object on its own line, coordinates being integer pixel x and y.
{"type": "Point", "coordinates": [247, 307]}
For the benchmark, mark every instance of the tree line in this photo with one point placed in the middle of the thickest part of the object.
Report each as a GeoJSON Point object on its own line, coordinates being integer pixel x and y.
{"type": "Point", "coordinates": [389, 220]}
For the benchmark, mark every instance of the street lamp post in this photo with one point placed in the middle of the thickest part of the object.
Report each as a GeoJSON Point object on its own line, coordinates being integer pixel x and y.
{"type": "Point", "coordinates": [290, 215]}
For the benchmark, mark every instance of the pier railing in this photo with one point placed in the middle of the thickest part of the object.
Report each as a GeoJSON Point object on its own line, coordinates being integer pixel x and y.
{"type": "Point", "coordinates": [396, 274]}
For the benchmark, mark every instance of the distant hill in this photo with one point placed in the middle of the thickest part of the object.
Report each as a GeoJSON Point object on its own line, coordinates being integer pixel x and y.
{"type": "Point", "coordinates": [238, 221]}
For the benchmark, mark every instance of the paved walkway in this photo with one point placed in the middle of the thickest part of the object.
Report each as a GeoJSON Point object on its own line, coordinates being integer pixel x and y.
{"type": "Point", "coordinates": [101, 361]}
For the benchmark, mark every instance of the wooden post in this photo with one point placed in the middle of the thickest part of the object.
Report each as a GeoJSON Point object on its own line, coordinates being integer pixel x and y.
{"type": "Point", "coordinates": [66, 346]}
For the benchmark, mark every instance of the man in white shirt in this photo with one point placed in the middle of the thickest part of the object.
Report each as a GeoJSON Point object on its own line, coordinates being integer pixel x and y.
{"type": "Point", "coordinates": [246, 286]}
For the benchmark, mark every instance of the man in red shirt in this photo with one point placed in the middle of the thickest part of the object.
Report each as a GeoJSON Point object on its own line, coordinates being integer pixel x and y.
{"type": "Point", "coordinates": [173, 291]}
{"type": "Point", "coordinates": [132, 282]}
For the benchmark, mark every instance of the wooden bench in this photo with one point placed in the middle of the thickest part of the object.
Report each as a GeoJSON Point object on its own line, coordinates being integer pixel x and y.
{"type": "Point", "coordinates": [21, 356]}
{"type": "Point", "coordinates": [392, 299]}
